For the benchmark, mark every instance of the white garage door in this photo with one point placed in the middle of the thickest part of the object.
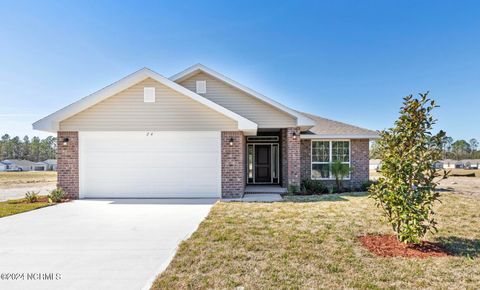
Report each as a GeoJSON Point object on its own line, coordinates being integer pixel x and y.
{"type": "Point", "coordinates": [149, 165]}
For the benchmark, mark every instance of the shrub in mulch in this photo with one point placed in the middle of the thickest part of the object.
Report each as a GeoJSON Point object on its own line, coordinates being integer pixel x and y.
{"type": "Point", "coordinates": [389, 246]}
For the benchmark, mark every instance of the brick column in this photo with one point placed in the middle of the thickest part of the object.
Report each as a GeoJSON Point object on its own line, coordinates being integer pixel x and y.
{"type": "Point", "coordinates": [359, 162]}
{"type": "Point", "coordinates": [67, 163]}
{"type": "Point", "coordinates": [233, 164]}
{"type": "Point", "coordinates": [305, 159]}
{"type": "Point", "coordinates": [291, 157]}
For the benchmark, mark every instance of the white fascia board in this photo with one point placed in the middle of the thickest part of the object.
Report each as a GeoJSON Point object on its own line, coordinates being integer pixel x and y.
{"type": "Point", "coordinates": [340, 136]}
{"type": "Point", "coordinates": [302, 121]}
{"type": "Point", "coordinates": [52, 121]}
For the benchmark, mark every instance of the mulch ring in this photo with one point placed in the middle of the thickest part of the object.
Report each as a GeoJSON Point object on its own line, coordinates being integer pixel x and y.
{"type": "Point", "coordinates": [389, 246]}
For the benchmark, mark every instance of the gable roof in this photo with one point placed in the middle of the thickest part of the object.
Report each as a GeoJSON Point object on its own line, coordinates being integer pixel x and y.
{"type": "Point", "coordinates": [302, 120]}
{"type": "Point", "coordinates": [19, 162]}
{"type": "Point", "coordinates": [51, 122]}
{"type": "Point", "coordinates": [48, 162]}
{"type": "Point", "coordinates": [51, 161]}
{"type": "Point", "coordinates": [326, 128]}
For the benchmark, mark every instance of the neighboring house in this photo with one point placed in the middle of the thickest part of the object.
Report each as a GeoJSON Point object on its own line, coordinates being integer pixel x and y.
{"type": "Point", "coordinates": [19, 165]}
{"type": "Point", "coordinates": [196, 134]}
{"type": "Point", "coordinates": [471, 163]}
{"type": "Point", "coordinates": [438, 165]}
{"type": "Point", "coordinates": [451, 164]}
{"type": "Point", "coordinates": [47, 165]}
{"type": "Point", "coordinates": [374, 164]}
{"type": "Point", "coordinates": [3, 166]}
{"type": "Point", "coordinates": [40, 166]}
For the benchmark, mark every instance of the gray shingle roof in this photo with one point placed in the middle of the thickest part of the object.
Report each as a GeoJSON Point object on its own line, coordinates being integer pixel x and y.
{"type": "Point", "coordinates": [330, 127]}
{"type": "Point", "coordinates": [19, 162]}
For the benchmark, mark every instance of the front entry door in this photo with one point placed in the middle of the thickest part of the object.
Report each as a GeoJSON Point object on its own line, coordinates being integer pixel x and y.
{"type": "Point", "coordinates": [263, 170]}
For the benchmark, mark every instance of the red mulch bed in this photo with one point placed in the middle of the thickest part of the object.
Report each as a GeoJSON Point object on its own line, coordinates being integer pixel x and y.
{"type": "Point", "coordinates": [389, 246]}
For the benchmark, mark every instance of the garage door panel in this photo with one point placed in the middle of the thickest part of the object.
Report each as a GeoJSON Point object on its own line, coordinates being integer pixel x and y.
{"type": "Point", "coordinates": [144, 160]}
{"type": "Point", "coordinates": [167, 164]}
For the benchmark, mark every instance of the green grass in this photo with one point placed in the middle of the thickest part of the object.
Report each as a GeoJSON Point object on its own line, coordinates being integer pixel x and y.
{"type": "Point", "coordinates": [12, 207]}
{"type": "Point", "coordinates": [311, 242]}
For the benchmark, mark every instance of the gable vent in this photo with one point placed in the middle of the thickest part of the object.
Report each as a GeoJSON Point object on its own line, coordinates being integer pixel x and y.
{"type": "Point", "coordinates": [201, 87]}
{"type": "Point", "coordinates": [149, 94]}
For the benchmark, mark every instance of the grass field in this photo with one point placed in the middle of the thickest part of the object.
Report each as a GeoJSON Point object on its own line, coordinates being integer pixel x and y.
{"type": "Point", "coordinates": [466, 171]}
{"type": "Point", "coordinates": [12, 207]}
{"type": "Point", "coordinates": [11, 179]}
{"type": "Point", "coordinates": [374, 174]}
{"type": "Point", "coordinates": [311, 242]}
{"type": "Point", "coordinates": [465, 185]}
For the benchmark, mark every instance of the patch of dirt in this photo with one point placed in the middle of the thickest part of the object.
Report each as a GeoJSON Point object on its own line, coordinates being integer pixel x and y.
{"type": "Point", "coordinates": [389, 246]}
{"type": "Point", "coordinates": [465, 185]}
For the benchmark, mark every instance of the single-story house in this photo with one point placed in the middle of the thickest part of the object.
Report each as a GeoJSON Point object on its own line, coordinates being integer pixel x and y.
{"type": "Point", "coordinates": [374, 164]}
{"type": "Point", "coordinates": [3, 166]}
{"type": "Point", "coordinates": [438, 165]}
{"type": "Point", "coordinates": [19, 165]}
{"type": "Point", "coordinates": [451, 164]}
{"type": "Point", "coordinates": [465, 164]}
{"type": "Point", "coordinates": [47, 165]}
{"type": "Point", "coordinates": [40, 166]}
{"type": "Point", "coordinates": [195, 134]}
{"type": "Point", "coordinates": [471, 163]}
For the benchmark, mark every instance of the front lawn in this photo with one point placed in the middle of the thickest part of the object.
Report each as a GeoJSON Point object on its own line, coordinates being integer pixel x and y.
{"type": "Point", "coordinates": [311, 242]}
{"type": "Point", "coordinates": [12, 179]}
{"type": "Point", "coordinates": [11, 207]}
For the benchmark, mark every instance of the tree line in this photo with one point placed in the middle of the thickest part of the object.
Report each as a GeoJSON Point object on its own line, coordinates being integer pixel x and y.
{"type": "Point", "coordinates": [451, 149]}
{"type": "Point", "coordinates": [34, 149]}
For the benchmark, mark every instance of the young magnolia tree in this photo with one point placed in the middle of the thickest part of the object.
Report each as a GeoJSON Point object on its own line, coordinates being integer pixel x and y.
{"type": "Point", "coordinates": [406, 190]}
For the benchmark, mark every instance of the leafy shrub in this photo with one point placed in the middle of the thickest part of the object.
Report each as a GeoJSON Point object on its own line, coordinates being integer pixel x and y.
{"type": "Point", "coordinates": [32, 196]}
{"type": "Point", "coordinates": [293, 188]}
{"type": "Point", "coordinates": [366, 185]}
{"type": "Point", "coordinates": [406, 191]}
{"type": "Point", "coordinates": [314, 186]}
{"type": "Point", "coordinates": [340, 171]}
{"type": "Point", "coordinates": [56, 195]}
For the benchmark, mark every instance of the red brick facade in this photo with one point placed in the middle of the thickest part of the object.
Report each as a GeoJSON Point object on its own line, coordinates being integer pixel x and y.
{"type": "Point", "coordinates": [67, 163]}
{"type": "Point", "coordinates": [233, 164]}
{"type": "Point", "coordinates": [359, 162]}
{"type": "Point", "coordinates": [290, 156]}
{"type": "Point", "coordinates": [305, 160]}
{"type": "Point", "coordinates": [295, 156]}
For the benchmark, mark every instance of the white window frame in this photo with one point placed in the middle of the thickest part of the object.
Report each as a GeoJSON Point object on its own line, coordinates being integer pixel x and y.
{"type": "Point", "coordinates": [331, 177]}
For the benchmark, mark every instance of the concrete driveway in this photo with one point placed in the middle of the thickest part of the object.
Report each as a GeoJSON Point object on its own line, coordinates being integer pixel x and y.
{"type": "Point", "coordinates": [95, 244]}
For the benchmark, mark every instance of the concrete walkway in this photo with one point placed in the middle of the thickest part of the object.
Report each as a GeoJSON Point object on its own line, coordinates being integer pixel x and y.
{"type": "Point", "coordinates": [96, 244]}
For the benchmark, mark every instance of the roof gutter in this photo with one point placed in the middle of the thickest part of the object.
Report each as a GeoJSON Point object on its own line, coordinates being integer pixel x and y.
{"type": "Point", "coordinates": [340, 136]}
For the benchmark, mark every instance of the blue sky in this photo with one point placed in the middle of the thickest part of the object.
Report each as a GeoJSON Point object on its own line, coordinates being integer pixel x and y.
{"type": "Point", "coordinates": [351, 61]}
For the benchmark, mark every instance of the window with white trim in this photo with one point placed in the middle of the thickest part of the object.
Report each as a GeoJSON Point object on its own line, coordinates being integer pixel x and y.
{"type": "Point", "coordinates": [324, 153]}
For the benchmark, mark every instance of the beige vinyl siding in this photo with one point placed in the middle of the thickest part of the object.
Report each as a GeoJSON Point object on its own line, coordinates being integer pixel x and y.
{"type": "Point", "coordinates": [126, 111]}
{"type": "Point", "coordinates": [265, 115]}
